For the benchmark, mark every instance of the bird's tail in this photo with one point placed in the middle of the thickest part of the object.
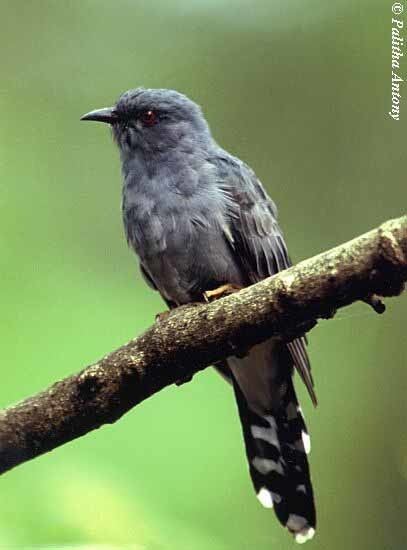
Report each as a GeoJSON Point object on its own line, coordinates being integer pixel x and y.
{"type": "Point", "coordinates": [277, 443]}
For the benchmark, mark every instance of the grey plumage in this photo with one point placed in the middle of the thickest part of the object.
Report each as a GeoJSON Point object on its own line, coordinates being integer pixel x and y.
{"type": "Point", "coordinates": [198, 218]}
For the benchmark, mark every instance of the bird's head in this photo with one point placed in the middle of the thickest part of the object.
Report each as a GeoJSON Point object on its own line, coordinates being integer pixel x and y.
{"type": "Point", "coordinates": [153, 121]}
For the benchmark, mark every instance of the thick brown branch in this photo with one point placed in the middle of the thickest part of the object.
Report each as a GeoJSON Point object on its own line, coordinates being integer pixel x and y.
{"type": "Point", "coordinates": [192, 337]}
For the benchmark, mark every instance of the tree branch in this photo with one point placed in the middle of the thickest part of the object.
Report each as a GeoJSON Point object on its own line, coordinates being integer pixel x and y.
{"type": "Point", "coordinates": [195, 336]}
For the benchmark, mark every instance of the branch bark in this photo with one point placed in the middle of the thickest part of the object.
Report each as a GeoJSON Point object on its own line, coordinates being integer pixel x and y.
{"type": "Point", "coordinates": [195, 336]}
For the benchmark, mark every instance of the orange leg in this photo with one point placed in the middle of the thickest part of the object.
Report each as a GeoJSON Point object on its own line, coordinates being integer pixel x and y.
{"type": "Point", "coordinates": [162, 316]}
{"type": "Point", "coordinates": [220, 292]}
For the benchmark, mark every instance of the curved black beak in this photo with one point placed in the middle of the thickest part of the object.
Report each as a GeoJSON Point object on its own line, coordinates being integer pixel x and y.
{"type": "Point", "coordinates": [108, 115]}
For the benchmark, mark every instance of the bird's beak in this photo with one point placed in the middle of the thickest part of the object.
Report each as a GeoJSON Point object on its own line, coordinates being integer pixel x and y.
{"type": "Point", "coordinates": [108, 115]}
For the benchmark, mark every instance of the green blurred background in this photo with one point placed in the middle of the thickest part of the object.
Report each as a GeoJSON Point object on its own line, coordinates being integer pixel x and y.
{"type": "Point", "coordinates": [301, 91]}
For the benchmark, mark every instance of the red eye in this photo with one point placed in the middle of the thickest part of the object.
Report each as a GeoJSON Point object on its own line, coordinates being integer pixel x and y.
{"type": "Point", "coordinates": [149, 118]}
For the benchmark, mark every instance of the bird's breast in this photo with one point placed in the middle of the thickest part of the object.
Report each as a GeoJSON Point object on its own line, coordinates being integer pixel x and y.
{"type": "Point", "coordinates": [180, 241]}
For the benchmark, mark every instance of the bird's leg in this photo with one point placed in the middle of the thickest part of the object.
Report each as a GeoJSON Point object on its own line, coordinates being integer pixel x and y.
{"type": "Point", "coordinates": [162, 316]}
{"type": "Point", "coordinates": [220, 292]}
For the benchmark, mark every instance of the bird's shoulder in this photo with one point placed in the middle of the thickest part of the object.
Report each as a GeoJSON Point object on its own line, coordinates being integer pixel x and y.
{"type": "Point", "coordinates": [241, 182]}
{"type": "Point", "coordinates": [253, 213]}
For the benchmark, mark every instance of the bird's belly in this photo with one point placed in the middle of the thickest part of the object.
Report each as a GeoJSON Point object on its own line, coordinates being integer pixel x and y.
{"type": "Point", "coordinates": [189, 265]}
{"type": "Point", "coordinates": [181, 243]}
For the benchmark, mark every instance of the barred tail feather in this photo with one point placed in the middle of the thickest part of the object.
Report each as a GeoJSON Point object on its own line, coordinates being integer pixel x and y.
{"type": "Point", "coordinates": [277, 444]}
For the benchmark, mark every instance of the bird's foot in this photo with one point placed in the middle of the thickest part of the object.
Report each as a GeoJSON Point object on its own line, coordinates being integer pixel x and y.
{"type": "Point", "coordinates": [162, 316]}
{"type": "Point", "coordinates": [220, 292]}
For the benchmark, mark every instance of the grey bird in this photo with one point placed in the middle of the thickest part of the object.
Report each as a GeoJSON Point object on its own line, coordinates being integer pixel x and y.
{"type": "Point", "coordinates": [201, 222]}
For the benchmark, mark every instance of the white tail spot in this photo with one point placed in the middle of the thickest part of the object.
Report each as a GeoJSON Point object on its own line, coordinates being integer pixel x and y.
{"type": "Point", "coordinates": [296, 523]}
{"type": "Point", "coordinates": [304, 535]}
{"type": "Point", "coordinates": [306, 442]}
{"type": "Point", "coordinates": [300, 528]}
{"type": "Point", "coordinates": [265, 498]}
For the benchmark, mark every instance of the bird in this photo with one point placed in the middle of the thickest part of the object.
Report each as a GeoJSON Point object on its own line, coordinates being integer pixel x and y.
{"type": "Point", "coordinates": [203, 225]}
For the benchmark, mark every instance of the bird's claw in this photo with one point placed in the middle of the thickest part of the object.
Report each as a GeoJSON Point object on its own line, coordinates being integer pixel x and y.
{"type": "Point", "coordinates": [162, 316]}
{"type": "Point", "coordinates": [220, 292]}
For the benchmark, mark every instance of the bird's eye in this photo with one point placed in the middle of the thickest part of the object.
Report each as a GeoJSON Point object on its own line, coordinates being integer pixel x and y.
{"type": "Point", "coordinates": [149, 118]}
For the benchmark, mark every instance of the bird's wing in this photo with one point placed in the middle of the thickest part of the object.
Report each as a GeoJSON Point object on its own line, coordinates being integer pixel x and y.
{"type": "Point", "coordinates": [147, 277]}
{"type": "Point", "coordinates": [258, 241]}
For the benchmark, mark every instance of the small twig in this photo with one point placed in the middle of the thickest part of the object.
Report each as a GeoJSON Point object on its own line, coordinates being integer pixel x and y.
{"type": "Point", "coordinates": [375, 303]}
